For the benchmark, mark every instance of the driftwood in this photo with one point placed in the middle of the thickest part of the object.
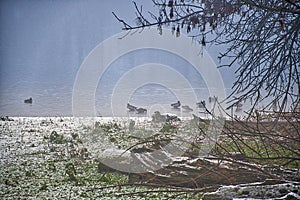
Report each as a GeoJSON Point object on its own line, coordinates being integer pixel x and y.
{"type": "Point", "coordinates": [200, 172]}
{"type": "Point", "coordinates": [228, 168]}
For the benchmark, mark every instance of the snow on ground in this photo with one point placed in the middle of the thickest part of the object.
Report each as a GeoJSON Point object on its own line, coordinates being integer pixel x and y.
{"type": "Point", "coordinates": [56, 157]}
{"type": "Point", "coordinates": [29, 135]}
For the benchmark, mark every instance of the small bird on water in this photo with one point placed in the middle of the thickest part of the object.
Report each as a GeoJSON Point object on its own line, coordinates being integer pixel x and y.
{"type": "Point", "coordinates": [176, 105]}
{"type": "Point", "coordinates": [131, 107]}
{"type": "Point", "coordinates": [28, 100]}
{"type": "Point", "coordinates": [141, 110]}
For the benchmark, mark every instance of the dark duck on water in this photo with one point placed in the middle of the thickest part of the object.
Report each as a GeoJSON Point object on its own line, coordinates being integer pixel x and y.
{"type": "Point", "coordinates": [141, 110]}
{"type": "Point", "coordinates": [28, 100]}
{"type": "Point", "coordinates": [176, 105]}
{"type": "Point", "coordinates": [131, 108]}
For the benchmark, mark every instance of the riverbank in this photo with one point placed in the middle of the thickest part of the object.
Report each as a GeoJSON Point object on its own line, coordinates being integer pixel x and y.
{"type": "Point", "coordinates": [58, 157]}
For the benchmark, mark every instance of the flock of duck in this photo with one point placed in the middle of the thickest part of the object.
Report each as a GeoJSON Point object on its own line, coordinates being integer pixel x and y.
{"type": "Point", "coordinates": [141, 110]}
{"type": "Point", "coordinates": [176, 105]}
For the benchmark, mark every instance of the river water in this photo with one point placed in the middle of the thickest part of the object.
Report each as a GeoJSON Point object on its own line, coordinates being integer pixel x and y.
{"type": "Point", "coordinates": [52, 93]}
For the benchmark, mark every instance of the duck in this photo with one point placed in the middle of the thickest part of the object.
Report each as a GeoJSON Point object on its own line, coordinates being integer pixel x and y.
{"type": "Point", "coordinates": [176, 105]}
{"type": "Point", "coordinates": [28, 100]}
{"type": "Point", "coordinates": [201, 104]}
{"type": "Point", "coordinates": [172, 118]}
{"type": "Point", "coordinates": [141, 110]}
{"type": "Point", "coordinates": [187, 108]}
{"type": "Point", "coordinates": [131, 107]}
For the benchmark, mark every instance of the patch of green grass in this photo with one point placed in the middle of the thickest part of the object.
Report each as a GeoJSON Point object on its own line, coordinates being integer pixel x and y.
{"type": "Point", "coordinates": [262, 152]}
{"type": "Point", "coordinates": [109, 127]}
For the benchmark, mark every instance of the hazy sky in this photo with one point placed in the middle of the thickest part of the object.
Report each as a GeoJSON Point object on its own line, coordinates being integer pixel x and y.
{"type": "Point", "coordinates": [53, 37]}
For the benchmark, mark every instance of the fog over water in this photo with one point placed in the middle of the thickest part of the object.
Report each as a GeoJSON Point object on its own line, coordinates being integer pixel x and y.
{"type": "Point", "coordinates": [44, 43]}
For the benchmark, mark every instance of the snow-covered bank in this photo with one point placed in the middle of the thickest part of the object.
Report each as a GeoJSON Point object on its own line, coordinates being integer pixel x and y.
{"type": "Point", "coordinates": [57, 157]}
{"type": "Point", "coordinates": [28, 134]}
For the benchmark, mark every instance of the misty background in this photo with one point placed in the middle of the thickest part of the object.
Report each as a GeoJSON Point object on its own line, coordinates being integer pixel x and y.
{"type": "Point", "coordinates": [43, 44]}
